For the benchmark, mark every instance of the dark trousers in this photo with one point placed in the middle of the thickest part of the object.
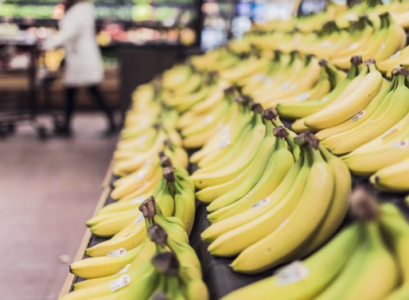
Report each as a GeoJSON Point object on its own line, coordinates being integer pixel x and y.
{"type": "Point", "coordinates": [98, 98]}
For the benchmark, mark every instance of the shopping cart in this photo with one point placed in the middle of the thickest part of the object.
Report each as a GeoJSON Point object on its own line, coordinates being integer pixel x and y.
{"type": "Point", "coordinates": [21, 90]}
{"type": "Point", "coordinates": [18, 89]}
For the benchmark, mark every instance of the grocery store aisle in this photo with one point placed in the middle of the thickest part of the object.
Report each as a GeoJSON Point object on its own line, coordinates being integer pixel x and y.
{"type": "Point", "coordinates": [47, 192]}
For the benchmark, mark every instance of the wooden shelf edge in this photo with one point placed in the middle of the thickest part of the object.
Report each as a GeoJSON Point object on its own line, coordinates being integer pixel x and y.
{"type": "Point", "coordinates": [69, 281]}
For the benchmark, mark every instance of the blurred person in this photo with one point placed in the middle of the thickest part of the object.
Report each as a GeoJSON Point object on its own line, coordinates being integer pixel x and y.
{"type": "Point", "coordinates": [83, 59]}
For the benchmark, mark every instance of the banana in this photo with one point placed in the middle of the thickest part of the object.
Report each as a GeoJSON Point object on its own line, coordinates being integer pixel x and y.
{"type": "Point", "coordinates": [375, 266]}
{"type": "Point", "coordinates": [395, 112]}
{"type": "Point", "coordinates": [338, 207]}
{"type": "Point", "coordinates": [394, 226]}
{"type": "Point", "coordinates": [386, 66]}
{"type": "Point", "coordinates": [248, 177]}
{"type": "Point", "coordinates": [293, 178]}
{"type": "Point", "coordinates": [401, 293]}
{"type": "Point", "coordinates": [148, 249]}
{"type": "Point", "coordinates": [392, 178]}
{"type": "Point", "coordinates": [185, 205]}
{"type": "Point", "coordinates": [379, 103]}
{"type": "Point", "coordinates": [254, 170]}
{"type": "Point", "coordinates": [234, 168]}
{"type": "Point", "coordinates": [341, 111]}
{"type": "Point", "coordinates": [104, 266]}
{"type": "Point", "coordinates": [235, 241]}
{"type": "Point", "coordinates": [301, 109]}
{"type": "Point", "coordinates": [278, 166]}
{"type": "Point", "coordinates": [304, 280]}
{"type": "Point", "coordinates": [304, 220]}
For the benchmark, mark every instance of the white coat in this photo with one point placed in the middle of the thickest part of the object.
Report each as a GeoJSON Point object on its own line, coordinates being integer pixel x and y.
{"type": "Point", "coordinates": [77, 36]}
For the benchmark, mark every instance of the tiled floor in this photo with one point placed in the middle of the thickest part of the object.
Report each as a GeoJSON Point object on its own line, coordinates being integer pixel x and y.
{"type": "Point", "coordinates": [47, 192]}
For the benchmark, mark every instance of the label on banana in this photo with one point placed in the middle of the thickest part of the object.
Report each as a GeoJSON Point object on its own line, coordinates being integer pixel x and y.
{"type": "Point", "coordinates": [291, 273]}
{"type": "Point", "coordinates": [285, 85]}
{"type": "Point", "coordinates": [268, 82]}
{"type": "Point", "coordinates": [325, 99]}
{"type": "Point", "coordinates": [358, 116]}
{"type": "Point", "coordinates": [208, 119]}
{"type": "Point", "coordinates": [120, 283]}
{"type": "Point", "coordinates": [139, 219]}
{"type": "Point", "coordinates": [138, 200]}
{"type": "Point", "coordinates": [124, 270]}
{"type": "Point", "coordinates": [145, 124]}
{"type": "Point", "coordinates": [354, 46]}
{"type": "Point", "coordinates": [260, 203]}
{"type": "Point", "coordinates": [224, 142]}
{"type": "Point", "coordinates": [116, 253]}
{"type": "Point", "coordinates": [141, 175]}
{"type": "Point", "coordinates": [302, 97]}
{"type": "Point", "coordinates": [396, 54]}
{"type": "Point", "coordinates": [326, 43]}
{"type": "Point", "coordinates": [224, 130]}
{"type": "Point", "coordinates": [388, 132]}
{"type": "Point", "coordinates": [401, 145]}
{"type": "Point", "coordinates": [148, 163]}
{"type": "Point", "coordinates": [142, 139]}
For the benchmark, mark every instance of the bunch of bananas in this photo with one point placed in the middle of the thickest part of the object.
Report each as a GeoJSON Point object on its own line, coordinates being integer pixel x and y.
{"type": "Point", "coordinates": [297, 205]}
{"type": "Point", "coordinates": [163, 264]}
{"type": "Point", "coordinates": [366, 260]}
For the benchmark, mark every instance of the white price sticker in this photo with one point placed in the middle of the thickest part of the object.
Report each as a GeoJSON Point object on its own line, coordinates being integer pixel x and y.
{"type": "Point", "coordinates": [208, 119]}
{"type": "Point", "coordinates": [268, 82]}
{"type": "Point", "coordinates": [396, 54]}
{"type": "Point", "coordinates": [292, 273]}
{"type": "Point", "coordinates": [138, 199]}
{"type": "Point", "coordinates": [139, 219]}
{"type": "Point", "coordinates": [401, 145]}
{"type": "Point", "coordinates": [224, 143]}
{"type": "Point", "coordinates": [120, 283]}
{"type": "Point", "coordinates": [358, 116]}
{"type": "Point", "coordinates": [293, 86]}
{"type": "Point", "coordinates": [326, 43]}
{"type": "Point", "coordinates": [388, 132]}
{"type": "Point", "coordinates": [325, 99]}
{"type": "Point", "coordinates": [141, 175]}
{"type": "Point", "coordinates": [120, 252]}
{"type": "Point", "coordinates": [124, 270]}
{"type": "Point", "coordinates": [224, 130]}
{"type": "Point", "coordinates": [142, 139]}
{"type": "Point", "coordinates": [353, 46]}
{"type": "Point", "coordinates": [260, 203]}
{"type": "Point", "coordinates": [302, 97]}
{"type": "Point", "coordinates": [285, 85]}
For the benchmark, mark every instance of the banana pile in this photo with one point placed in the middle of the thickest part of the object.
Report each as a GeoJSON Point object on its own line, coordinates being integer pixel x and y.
{"type": "Point", "coordinates": [295, 203]}
{"type": "Point", "coordinates": [273, 197]}
{"type": "Point", "coordinates": [163, 265]}
{"type": "Point", "coordinates": [365, 260]}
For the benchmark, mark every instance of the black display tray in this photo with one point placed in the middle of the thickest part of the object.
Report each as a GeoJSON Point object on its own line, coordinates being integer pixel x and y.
{"type": "Point", "coordinates": [217, 274]}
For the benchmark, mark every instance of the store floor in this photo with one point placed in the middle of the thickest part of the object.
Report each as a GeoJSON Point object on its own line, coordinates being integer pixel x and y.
{"type": "Point", "coordinates": [47, 192]}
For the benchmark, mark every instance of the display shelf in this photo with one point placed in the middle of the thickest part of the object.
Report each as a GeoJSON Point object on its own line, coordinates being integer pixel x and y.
{"type": "Point", "coordinates": [88, 235]}
{"type": "Point", "coordinates": [217, 274]}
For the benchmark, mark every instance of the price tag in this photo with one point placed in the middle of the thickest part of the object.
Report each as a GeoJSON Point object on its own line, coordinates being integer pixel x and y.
{"type": "Point", "coordinates": [138, 199]}
{"type": "Point", "coordinates": [139, 219]}
{"type": "Point", "coordinates": [124, 270]}
{"type": "Point", "coordinates": [396, 54]}
{"type": "Point", "coordinates": [358, 116]}
{"type": "Point", "coordinates": [388, 132]}
{"type": "Point", "coordinates": [292, 273]}
{"type": "Point", "coordinates": [120, 252]}
{"type": "Point", "coordinates": [353, 46]}
{"type": "Point", "coordinates": [401, 145]}
{"type": "Point", "coordinates": [141, 175]}
{"type": "Point", "coordinates": [224, 142]}
{"type": "Point", "coordinates": [208, 119]}
{"type": "Point", "coordinates": [260, 203]}
{"type": "Point", "coordinates": [120, 283]}
{"type": "Point", "coordinates": [285, 85]}
{"type": "Point", "coordinates": [302, 97]}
